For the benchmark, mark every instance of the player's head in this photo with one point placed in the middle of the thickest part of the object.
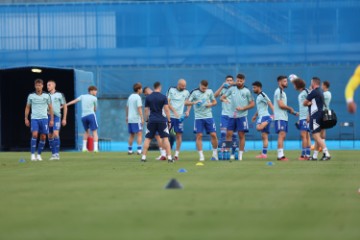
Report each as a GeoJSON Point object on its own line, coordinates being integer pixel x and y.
{"type": "Point", "coordinates": [147, 91]}
{"type": "Point", "coordinates": [181, 86]}
{"type": "Point", "coordinates": [240, 80]}
{"type": "Point", "coordinates": [203, 85]}
{"type": "Point", "coordinates": [39, 84]}
{"type": "Point", "coordinates": [92, 90]}
{"type": "Point", "coordinates": [157, 86]}
{"type": "Point", "coordinates": [51, 85]}
{"type": "Point", "coordinates": [282, 81]}
{"type": "Point", "coordinates": [299, 84]}
{"type": "Point", "coordinates": [229, 79]}
{"type": "Point", "coordinates": [325, 86]}
{"type": "Point", "coordinates": [257, 86]}
{"type": "Point", "coordinates": [315, 82]}
{"type": "Point", "coordinates": [137, 88]}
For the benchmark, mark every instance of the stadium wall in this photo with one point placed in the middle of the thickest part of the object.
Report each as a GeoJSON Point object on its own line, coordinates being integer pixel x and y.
{"type": "Point", "coordinates": [126, 42]}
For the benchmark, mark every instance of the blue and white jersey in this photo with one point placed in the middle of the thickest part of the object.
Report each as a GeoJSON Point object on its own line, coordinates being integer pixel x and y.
{"type": "Point", "coordinates": [39, 105]}
{"type": "Point", "coordinates": [262, 105]}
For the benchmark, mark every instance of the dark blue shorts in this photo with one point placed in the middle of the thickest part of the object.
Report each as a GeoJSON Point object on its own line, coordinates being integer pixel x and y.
{"type": "Point", "coordinates": [238, 124]}
{"type": "Point", "coordinates": [89, 121]}
{"type": "Point", "coordinates": [177, 125]}
{"type": "Point", "coordinates": [304, 125]}
{"type": "Point", "coordinates": [206, 124]}
{"type": "Point", "coordinates": [281, 125]}
{"type": "Point", "coordinates": [157, 128]}
{"type": "Point", "coordinates": [314, 123]}
{"type": "Point", "coordinates": [57, 124]}
{"type": "Point", "coordinates": [134, 127]}
{"type": "Point", "coordinates": [224, 121]}
{"type": "Point", "coordinates": [40, 125]}
{"type": "Point", "coordinates": [267, 119]}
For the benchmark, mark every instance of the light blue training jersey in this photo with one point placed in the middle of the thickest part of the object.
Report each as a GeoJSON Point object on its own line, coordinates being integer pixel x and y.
{"type": "Point", "coordinates": [133, 103]}
{"type": "Point", "coordinates": [240, 97]}
{"type": "Point", "coordinates": [327, 99]}
{"type": "Point", "coordinates": [262, 105]}
{"type": "Point", "coordinates": [57, 99]}
{"type": "Point", "coordinates": [280, 114]}
{"type": "Point", "coordinates": [177, 100]}
{"type": "Point", "coordinates": [39, 105]}
{"type": "Point", "coordinates": [202, 112]}
{"type": "Point", "coordinates": [226, 107]}
{"type": "Point", "coordinates": [303, 110]}
{"type": "Point", "coordinates": [88, 104]}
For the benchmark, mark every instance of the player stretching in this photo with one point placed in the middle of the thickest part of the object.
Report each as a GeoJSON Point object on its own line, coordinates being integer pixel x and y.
{"type": "Point", "coordinates": [154, 105]}
{"type": "Point", "coordinates": [88, 117]}
{"type": "Point", "coordinates": [225, 110]}
{"type": "Point", "coordinates": [327, 98]}
{"type": "Point", "coordinates": [176, 101]}
{"type": "Point", "coordinates": [134, 118]}
{"type": "Point", "coordinates": [315, 103]}
{"type": "Point", "coordinates": [203, 100]}
{"type": "Point", "coordinates": [264, 119]}
{"type": "Point", "coordinates": [58, 101]}
{"type": "Point", "coordinates": [281, 116]}
{"type": "Point", "coordinates": [39, 102]}
{"type": "Point", "coordinates": [241, 102]}
{"type": "Point", "coordinates": [303, 124]}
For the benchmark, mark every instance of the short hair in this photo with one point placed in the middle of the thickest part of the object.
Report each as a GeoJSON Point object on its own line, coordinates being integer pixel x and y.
{"type": "Point", "coordinates": [299, 83]}
{"type": "Point", "coordinates": [316, 80]}
{"type": "Point", "coordinates": [229, 76]}
{"type": "Point", "coordinates": [145, 88]}
{"type": "Point", "coordinates": [257, 84]}
{"type": "Point", "coordinates": [327, 84]}
{"type": "Point", "coordinates": [38, 80]}
{"type": "Point", "coordinates": [137, 86]}
{"type": "Point", "coordinates": [157, 85]}
{"type": "Point", "coordinates": [51, 80]}
{"type": "Point", "coordinates": [241, 76]}
{"type": "Point", "coordinates": [92, 88]}
{"type": "Point", "coordinates": [204, 83]}
{"type": "Point", "coordinates": [281, 77]}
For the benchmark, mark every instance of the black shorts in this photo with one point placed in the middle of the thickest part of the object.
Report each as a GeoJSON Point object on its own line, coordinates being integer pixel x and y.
{"type": "Point", "coordinates": [153, 128]}
{"type": "Point", "coordinates": [314, 124]}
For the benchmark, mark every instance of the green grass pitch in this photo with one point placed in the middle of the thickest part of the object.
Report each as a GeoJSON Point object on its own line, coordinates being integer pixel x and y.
{"type": "Point", "coordinates": [114, 196]}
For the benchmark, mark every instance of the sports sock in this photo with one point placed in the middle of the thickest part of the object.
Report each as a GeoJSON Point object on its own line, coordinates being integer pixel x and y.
{"type": "Point", "coordinates": [177, 153]}
{"type": "Point", "coordinates": [240, 154]}
{"type": "Point", "coordinates": [41, 147]}
{"type": "Point", "coordinates": [308, 151]}
{"type": "Point", "coordinates": [303, 152]}
{"type": "Point", "coordinates": [315, 155]}
{"type": "Point", "coordinates": [139, 149]}
{"type": "Point", "coordinates": [51, 145]}
{"type": "Point", "coordinates": [234, 140]}
{"type": "Point", "coordinates": [163, 152]}
{"type": "Point", "coordinates": [222, 136]}
{"type": "Point", "coordinates": [280, 152]}
{"type": "Point", "coordinates": [33, 145]}
{"type": "Point", "coordinates": [214, 152]}
{"type": "Point", "coordinates": [143, 157]}
{"type": "Point", "coordinates": [326, 151]}
{"type": "Point", "coordinates": [84, 147]}
{"type": "Point", "coordinates": [264, 151]}
{"type": "Point", "coordinates": [201, 153]}
{"type": "Point", "coordinates": [169, 157]}
{"type": "Point", "coordinates": [96, 146]}
{"type": "Point", "coordinates": [57, 145]}
{"type": "Point", "coordinates": [129, 148]}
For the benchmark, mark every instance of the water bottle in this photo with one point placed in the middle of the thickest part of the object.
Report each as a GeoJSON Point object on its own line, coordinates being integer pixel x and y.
{"type": "Point", "coordinates": [182, 117]}
{"type": "Point", "coordinates": [220, 155]}
{"type": "Point", "coordinates": [226, 85]}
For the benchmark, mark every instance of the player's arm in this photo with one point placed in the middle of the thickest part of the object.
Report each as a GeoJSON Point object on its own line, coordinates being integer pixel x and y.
{"type": "Point", "coordinates": [309, 97]}
{"type": "Point", "coordinates": [212, 104]}
{"type": "Point", "coordinates": [127, 113]}
{"type": "Point", "coordinates": [167, 112]}
{"type": "Point", "coordinates": [73, 102]}
{"type": "Point", "coordinates": [187, 112]}
{"type": "Point", "coordinates": [285, 107]}
{"type": "Point", "coordinates": [190, 102]}
{"type": "Point", "coordinates": [27, 111]}
{"type": "Point", "coordinates": [247, 107]}
{"type": "Point", "coordinates": [254, 117]}
{"type": "Point", "coordinates": [218, 92]}
{"type": "Point", "coordinates": [65, 109]}
{"type": "Point", "coordinates": [140, 113]}
{"type": "Point", "coordinates": [172, 108]}
{"type": "Point", "coordinates": [51, 111]}
{"type": "Point", "coordinates": [147, 111]}
{"type": "Point", "coordinates": [269, 103]}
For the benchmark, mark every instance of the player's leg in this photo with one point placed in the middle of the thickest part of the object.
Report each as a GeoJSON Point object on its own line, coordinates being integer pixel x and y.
{"type": "Point", "coordinates": [198, 130]}
{"type": "Point", "coordinates": [223, 127]}
{"type": "Point", "coordinates": [308, 148]}
{"type": "Point", "coordinates": [304, 144]}
{"type": "Point", "coordinates": [265, 140]}
{"type": "Point", "coordinates": [323, 137]}
{"type": "Point", "coordinates": [96, 140]}
{"type": "Point", "coordinates": [51, 139]}
{"type": "Point", "coordinates": [281, 129]}
{"type": "Point", "coordinates": [242, 128]}
{"type": "Point", "coordinates": [43, 131]}
{"type": "Point", "coordinates": [178, 128]}
{"type": "Point", "coordinates": [34, 136]}
{"type": "Point", "coordinates": [263, 125]}
{"type": "Point", "coordinates": [86, 135]}
{"type": "Point", "coordinates": [161, 148]}
{"type": "Point", "coordinates": [130, 143]}
{"type": "Point", "coordinates": [57, 143]}
{"type": "Point", "coordinates": [150, 133]}
{"type": "Point", "coordinates": [231, 126]}
{"type": "Point", "coordinates": [139, 141]}
{"type": "Point", "coordinates": [163, 130]}
{"type": "Point", "coordinates": [316, 133]}
{"type": "Point", "coordinates": [210, 128]}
